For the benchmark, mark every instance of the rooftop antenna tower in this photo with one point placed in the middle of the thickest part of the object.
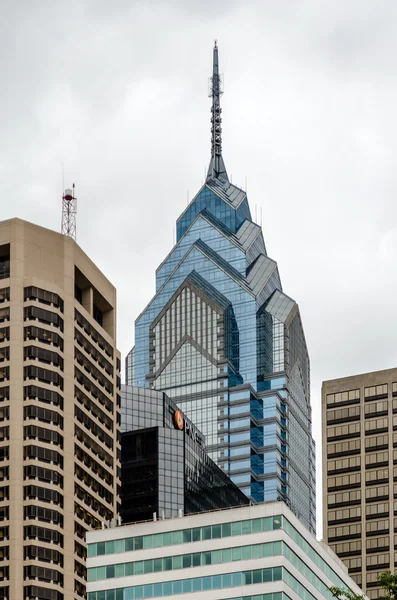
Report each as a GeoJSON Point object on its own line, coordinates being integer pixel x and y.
{"type": "Point", "coordinates": [69, 211]}
{"type": "Point", "coordinates": [217, 169]}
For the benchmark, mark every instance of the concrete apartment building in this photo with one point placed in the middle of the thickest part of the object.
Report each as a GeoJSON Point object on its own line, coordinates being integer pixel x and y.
{"type": "Point", "coordinates": [59, 411]}
{"type": "Point", "coordinates": [359, 424]}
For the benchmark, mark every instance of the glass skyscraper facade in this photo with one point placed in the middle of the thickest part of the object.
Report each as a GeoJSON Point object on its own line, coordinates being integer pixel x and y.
{"type": "Point", "coordinates": [222, 339]}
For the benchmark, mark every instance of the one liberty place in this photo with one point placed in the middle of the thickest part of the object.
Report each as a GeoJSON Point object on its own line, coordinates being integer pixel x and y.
{"type": "Point", "coordinates": [223, 340]}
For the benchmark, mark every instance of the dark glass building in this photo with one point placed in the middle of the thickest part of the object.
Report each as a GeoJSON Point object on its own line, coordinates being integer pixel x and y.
{"type": "Point", "coordinates": [164, 466]}
{"type": "Point", "coordinates": [227, 344]}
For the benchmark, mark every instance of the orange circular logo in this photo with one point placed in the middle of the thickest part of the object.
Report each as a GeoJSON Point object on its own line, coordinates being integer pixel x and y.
{"type": "Point", "coordinates": [178, 419]}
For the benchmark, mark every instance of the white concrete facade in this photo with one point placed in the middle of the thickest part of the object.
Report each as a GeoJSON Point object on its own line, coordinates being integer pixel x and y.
{"type": "Point", "coordinates": [306, 575]}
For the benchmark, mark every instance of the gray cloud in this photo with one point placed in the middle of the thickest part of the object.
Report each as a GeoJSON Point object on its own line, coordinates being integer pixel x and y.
{"type": "Point", "coordinates": [117, 93]}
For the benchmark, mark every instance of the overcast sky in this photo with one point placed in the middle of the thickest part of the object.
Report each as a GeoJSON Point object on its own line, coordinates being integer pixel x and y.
{"type": "Point", "coordinates": [117, 92]}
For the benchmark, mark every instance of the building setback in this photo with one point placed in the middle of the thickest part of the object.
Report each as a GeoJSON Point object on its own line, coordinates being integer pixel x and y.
{"type": "Point", "coordinates": [262, 552]}
{"type": "Point", "coordinates": [59, 407]}
{"type": "Point", "coordinates": [165, 469]}
{"type": "Point", "coordinates": [359, 423]}
{"type": "Point", "coordinates": [224, 341]}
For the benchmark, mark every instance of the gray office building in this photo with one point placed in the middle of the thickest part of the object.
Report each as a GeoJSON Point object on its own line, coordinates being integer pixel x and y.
{"type": "Point", "coordinates": [164, 465]}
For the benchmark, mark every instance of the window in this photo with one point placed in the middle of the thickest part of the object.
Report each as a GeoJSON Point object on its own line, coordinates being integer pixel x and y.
{"type": "Point", "coordinates": [46, 515]}
{"type": "Point", "coordinates": [44, 336]}
{"type": "Point", "coordinates": [376, 391]}
{"type": "Point", "coordinates": [196, 559]}
{"type": "Point", "coordinates": [93, 408]}
{"type": "Point", "coordinates": [4, 373]}
{"type": "Point", "coordinates": [344, 465]}
{"type": "Point", "coordinates": [377, 493]}
{"type": "Point", "coordinates": [4, 294]}
{"type": "Point", "coordinates": [372, 425]}
{"type": "Point", "coordinates": [4, 261]}
{"type": "Point", "coordinates": [377, 510]}
{"type": "Point", "coordinates": [43, 534]}
{"type": "Point", "coordinates": [86, 516]}
{"type": "Point", "coordinates": [377, 561]}
{"type": "Point", "coordinates": [43, 454]}
{"type": "Point", "coordinates": [4, 452]}
{"type": "Point", "coordinates": [4, 433]}
{"type": "Point", "coordinates": [353, 564]}
{"type": "Point", "coordinates": [93, 333]}
{"type": "Point", "coordinates": [84, 381]}
{"type": "Point", "coordinates": [34, 591]}
{"type": "Point", "coordinates": [78, 294]}
{"type": "Point", "coordinates": [197, 534]}
{"type": "Point", "coordinates": [344, 532]}
{"type": "Point", "coordinates": [95, 354]}
{"type": "Point", "coordinates": [92, 464]}
{"type": "Point", "coordinates": [43, 296]}
{"type": "Point", "coordinates": [44, 415]}
{"type": "Point", "coordinates": [45, 356]}
{"type": "Point", "coordinates": [376, 408]}
{"type": "Point", "coordinates": [43, 435]}
{"type": "Point", "coordinates": [376, 442]}
{"type": "Point", "coordinates": [376, 476]}
{"type": "Point", "coordinates": [343, 448]}
{"type": "Point", "coordinates": [44, 375]}
{"type": "Point", "coordinates": [342, 415]}
{"type": "Point", "coordinates": [43, 316]}
{"type": "Point", "coordinates": [377, 459]}
{"type": "Point", "coordinates": [95, 429]}
{"type": "Point", "coordinates": [376, 527]}
{"type": "Point", "coordinates": [347, 548]}
{"type": "Point", "coordinates": [340, 398]}
{"type": "Point", "coordinates": [344, 481]}
{"type": "Point", "coordinates": [98, 316]}
{"type": "Point", "coordinates": [344, 515]}
{"type": "Point", "coordinates": [344, 498]}
{"type": "Point", "coordinates": [42, 494]}
{"type": "Point", "coordinates": [43, 474]}
{"type": "Point", "coordinates": [43, 574]}
{"type": "Point", "coordinates": [93, 483]}
{"type": "Point", "coordinates": [89, 500]}
{"type": "Point", "coordinates": [93, 371]}
{"type": "Point", "coordinates": [375, 544]}
{"type": "Point", "coordinates": [4, 312]}
{"type": "Point", "coordinates": [205, 584]}
{"type": "Point", "coordinates": [343, 431]}
{"type": "Point", "coordinates": [33, 392]}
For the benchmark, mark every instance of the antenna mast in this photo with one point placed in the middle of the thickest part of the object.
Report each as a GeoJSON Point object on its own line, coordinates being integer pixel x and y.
{"type": "Point", "coordinates": [217, 169]}
{"type": "Point", "coordinates": [69, 211]}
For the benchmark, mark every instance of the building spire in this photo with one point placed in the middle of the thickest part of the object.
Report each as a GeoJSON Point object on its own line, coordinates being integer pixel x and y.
{"type": "Point", "coordinates": [217, 169]}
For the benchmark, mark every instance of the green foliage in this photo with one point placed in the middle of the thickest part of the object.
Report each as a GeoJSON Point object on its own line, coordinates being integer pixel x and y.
{"type": "Point", "coordinates": [387, 580]}
{"type": "Point", "coordinates": [341, 594]}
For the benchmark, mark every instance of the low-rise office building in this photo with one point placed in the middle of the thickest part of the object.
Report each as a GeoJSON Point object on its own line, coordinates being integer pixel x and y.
{"type": "Point", "coordinates": [260, 552]}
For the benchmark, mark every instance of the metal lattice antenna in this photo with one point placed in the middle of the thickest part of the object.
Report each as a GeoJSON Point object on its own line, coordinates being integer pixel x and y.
{"type": "Point", "coordinates": [217, 169]}
{"type": "Point", "coordinates": [69, 211]}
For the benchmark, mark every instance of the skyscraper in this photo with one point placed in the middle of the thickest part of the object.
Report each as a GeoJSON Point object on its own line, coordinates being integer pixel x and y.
{"type": "Point", "coordinates": [222, 339]}
{"type": "Point", "coordinates": [59, 411]}
{"type": "Point", "coordinates": [360, 473]}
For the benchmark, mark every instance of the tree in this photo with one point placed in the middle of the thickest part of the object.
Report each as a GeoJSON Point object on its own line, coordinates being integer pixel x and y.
{"type": "Point", "coordinates": [341, 593]}
{"type": "Point", "coordinates": [387, 581]}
